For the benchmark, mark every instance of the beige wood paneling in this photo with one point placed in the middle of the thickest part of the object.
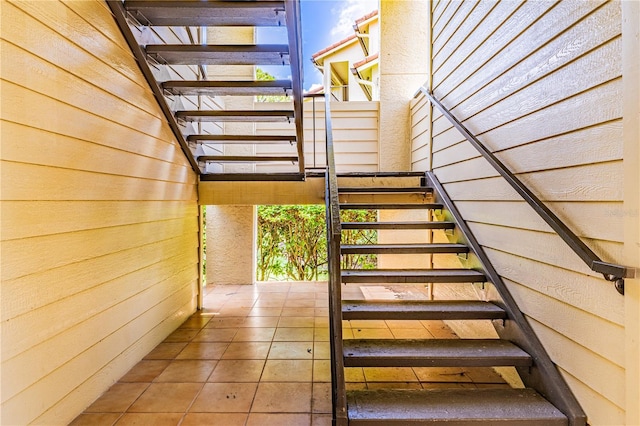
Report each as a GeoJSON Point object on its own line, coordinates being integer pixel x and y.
{"type": "Point", "coordinates": [100, 219]}
{"type": "Point", "coordinates": [540, 83]}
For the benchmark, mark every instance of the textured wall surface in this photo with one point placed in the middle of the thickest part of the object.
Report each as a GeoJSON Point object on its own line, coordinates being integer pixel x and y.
{"type": "Point", "coordinates": [231, 244]}
{"type": "Point", "coordinates": [540, 83]}
{"type": "Point", "coordinates": [99, 212]}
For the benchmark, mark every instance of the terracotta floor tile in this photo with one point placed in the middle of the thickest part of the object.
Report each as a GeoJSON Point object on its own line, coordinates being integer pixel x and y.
{"type": "Point", "coordinates": [196, 321]}
{"type": "Point", "coordinates": [224, 398]}
{"type": "Point", "coordinates": [354, 374]}
{"type": "Point", "coordinates": [389, 374]}
{"type": "Point", "coordinates": [95, 419]}
{"type": "Point", "coordinates": [267, 419]}
{"type": "Point", "coordinates": [234, 311]}
{"type": "Point", "coordinates": [371, 333]}
{"type": "Point", "coordinates": [321, 350]}
{"type": "Point", "coordinates": [203, 350]}
{"type": "Point", "coordinates": [182, 335]}
{"type": "Point", "coordinates": [443, 374]}
{"type": "Point", "coordinates": [298, 295]}
{"type": "Point", "coordinates": [187, 371]}
{"type": "Point", "coordinates": [216, 335]}
{"type": "Point", "coordinates": [155, 419]}
{"type": "Point", "coordinates": [118, 398]}
{"type": "Point", "coordinates": [321, 334]}
{"type": "Point", "coordinates": [166, 351]}
{"type": "Point", "coordinates": [411, 333]}
{"type": "Point", "coordinates": [166, 398]}
{"type": "Point", "coordinates": [255, 334]}
{"type": "Point", "coordinates": [214, 419]}
{"type": "Point", "coordinates": [257, 321]}
{"type": "Point", "coordinates": [226, 322]}
{"type": "Point", "coordinates": [234, 370]}
{"type": "Point", "coordinates": [321, 322]}
{"type": "Point", "coordinates": [300, 303]}
{"type": "Point", "coordinates": [282, 398]}
{"type": "Point", "coordinates": [439, 330]}
{"type": "Point", "coordinates": [483, 375]}
{"type": "Point", "coordinates": [247, 350]}
{"type": "Point", "coordinates": [367, 324]}
{"type": "Point", "coordinates": [393, 385]}
{"type": "Point", "coordinates": [413, 324]}
{"type": "Point", "coordinates": [291, 350]}
{"type": "Point", "coordinates": [298, 312]}
{"type": "Point", "coordinates": [322, 370]}
{"type": "Point", "coordinates": [321, 312]}
{"type": "Point", "coordinates": [321, 398]}
{"type": "Point", "coordinates": [293, 334]}
{"type": "Point", "coordinates": [265, 312]}
{"type": "Point", "coordinates": [269, 303]}
{"type": "Point", "coordinates": [321, 420]}
{"type": "Point", "coordinates": [145, 371]}
{"type": "Point", "coordinates": [280, 370]}
{"type": "Point", "coordinates": [296, 322]}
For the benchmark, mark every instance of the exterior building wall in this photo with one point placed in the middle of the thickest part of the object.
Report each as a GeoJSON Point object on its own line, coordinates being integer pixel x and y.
{"type": "Point", "coordinates": [404, 59]}
{"type": "Point", "coordinates": [631, 205]}
{"type": "Point", "coordinates": [355, 137]}
{"type": "Point", "coordinates": [541, 85]}
{"type": "Point", "coordinates": [99, 212]}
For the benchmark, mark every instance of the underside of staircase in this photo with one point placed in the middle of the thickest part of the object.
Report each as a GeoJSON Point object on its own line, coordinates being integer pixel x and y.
{"type": "Point", "coordinates": [538, 396]}
{"type": "Point", "coordinates": [199, 75]}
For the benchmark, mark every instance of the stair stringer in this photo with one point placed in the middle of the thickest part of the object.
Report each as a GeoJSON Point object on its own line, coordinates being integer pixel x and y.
{"type": "Point", "coordinates": [543, 375]}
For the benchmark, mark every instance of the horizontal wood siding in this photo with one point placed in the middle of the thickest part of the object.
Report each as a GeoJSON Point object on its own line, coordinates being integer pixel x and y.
{"type": "Point", "coordinates": [355, 137]}
{"type": "Point", "coordinates": [99, 212]}
{"type": "Point", "coordinates": [540, 83]}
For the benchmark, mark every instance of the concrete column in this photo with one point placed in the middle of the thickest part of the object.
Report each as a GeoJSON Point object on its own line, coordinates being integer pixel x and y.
{"type": "Point", "coordinates": [404, 66]}
{"type": "Point", "coordinates": [231, 251]}
{"type": "Point", "coordinates": [231, 244]}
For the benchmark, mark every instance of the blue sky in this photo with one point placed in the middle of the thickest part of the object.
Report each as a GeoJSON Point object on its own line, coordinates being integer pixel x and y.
{"type": "Point", "coordinates": [323, 22]}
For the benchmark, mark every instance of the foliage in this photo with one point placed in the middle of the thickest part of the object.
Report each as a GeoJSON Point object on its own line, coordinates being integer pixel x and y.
{"type": "Point", "coordinates": [292, 242]}
{"type": "Point", "coordinates": [358, 236]}
{"type": "Point", "coordinates": [262, 75]}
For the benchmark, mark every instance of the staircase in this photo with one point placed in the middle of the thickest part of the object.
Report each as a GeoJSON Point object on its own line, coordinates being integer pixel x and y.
{"type": "Point", "coordinates": [543, 400]}
{"type": "Point", "coordinates": [180, 45]}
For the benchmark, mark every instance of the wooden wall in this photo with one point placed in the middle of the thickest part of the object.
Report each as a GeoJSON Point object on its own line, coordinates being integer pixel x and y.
{"type": "Point", "coordinates": [355, 137]}
{"type": "Point", "coordinates": [99, 212]}
{"type": "Point", "coordinates": [540, 83]}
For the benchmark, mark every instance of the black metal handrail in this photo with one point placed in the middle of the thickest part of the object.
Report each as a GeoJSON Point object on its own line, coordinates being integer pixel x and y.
{"type": "Point", "coordinates": [292, 10]}
{"type": "Point", "coordinates": [610, 271]}
{"type": "Point", "coordinates": [334, 236]}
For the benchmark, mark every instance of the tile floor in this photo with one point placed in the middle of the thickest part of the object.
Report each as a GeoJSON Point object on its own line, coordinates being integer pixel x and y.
{"type": "Point", "coordinates": [259, 355]}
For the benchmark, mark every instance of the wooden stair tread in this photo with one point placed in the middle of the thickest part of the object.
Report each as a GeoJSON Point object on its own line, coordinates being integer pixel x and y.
{"type": "Point", "coordinates": [245, 158]}
{"type": "Point", "coordinates": [433, 353]}
{"type": "Point", "coordinates": [229, 115]}
{"type": "Point", "coordinates": [390, 206]}
{"type": "Point", "coordinates": [399, 407]}
{"type": "Point", "coordinates": [404, 248]}
{"type": "Point", "coordinates": [411, 276]}
{"type": "Point", "coordinates": [228, 88]}
{"type": "Point", "coordinates": [398, 225]}
{"type": "Point", "coordinates": [420, 310]}
{"type": "Point", "coordinates": [239, 139]}
{"type": "Point", "coordinates": [210, 13]}
{"type": "Point", "coordinates": [208, 54]}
